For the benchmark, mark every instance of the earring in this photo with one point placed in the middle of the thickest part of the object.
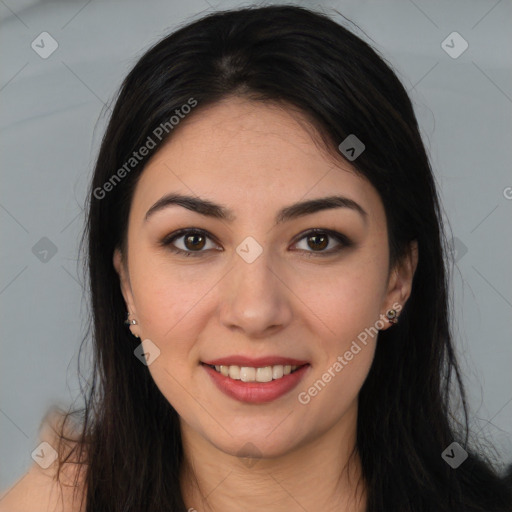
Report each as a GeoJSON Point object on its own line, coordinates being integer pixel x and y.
{"type": "Point", "coordinates": [128, 321]}
{"type": "Point", "coordinates": [392, 316]}
{"type": "Point", "coordinates": [131, 322]}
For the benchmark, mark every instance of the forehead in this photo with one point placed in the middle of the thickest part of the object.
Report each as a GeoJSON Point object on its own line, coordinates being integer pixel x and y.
{"type": "Point", "coordinates": [249, 155]}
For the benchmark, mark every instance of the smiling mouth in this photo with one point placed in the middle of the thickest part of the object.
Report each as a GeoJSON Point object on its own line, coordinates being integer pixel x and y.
{"type": "Point", "coordinates": [252, 374]}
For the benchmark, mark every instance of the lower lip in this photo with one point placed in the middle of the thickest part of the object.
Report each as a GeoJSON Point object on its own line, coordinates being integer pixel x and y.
{"type": "Point", "coordinates": [256, 392]}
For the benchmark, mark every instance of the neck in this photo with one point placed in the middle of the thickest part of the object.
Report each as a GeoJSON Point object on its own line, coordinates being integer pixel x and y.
{"type": "Point", "coordinates": [322, 474]}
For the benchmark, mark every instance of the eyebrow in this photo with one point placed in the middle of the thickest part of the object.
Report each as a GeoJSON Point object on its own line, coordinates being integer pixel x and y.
{"type": "Point", "coordinates": [294, 211]}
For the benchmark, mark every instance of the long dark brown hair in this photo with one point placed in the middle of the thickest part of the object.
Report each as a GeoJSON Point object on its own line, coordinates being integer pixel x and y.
{"type": "Point", "coordinates": [130, 446]}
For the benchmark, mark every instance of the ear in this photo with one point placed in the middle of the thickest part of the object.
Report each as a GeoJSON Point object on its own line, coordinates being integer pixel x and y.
{"type": "Point", "coordinates": [126, 289]}
{"type": "Point", "coordinates": [400, 280]}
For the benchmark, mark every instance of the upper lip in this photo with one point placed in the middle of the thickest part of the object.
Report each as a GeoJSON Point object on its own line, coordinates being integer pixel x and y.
{"type": "Point", "coordinates": [255, 362]}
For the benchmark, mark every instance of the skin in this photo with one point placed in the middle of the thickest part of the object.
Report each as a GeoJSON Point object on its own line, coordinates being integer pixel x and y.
{"type": "Point", "coordinates": [255, 158]}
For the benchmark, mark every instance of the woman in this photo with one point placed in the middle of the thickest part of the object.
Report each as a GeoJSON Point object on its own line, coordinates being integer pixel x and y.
{"type": "Point", "coordinates": [264, 219]}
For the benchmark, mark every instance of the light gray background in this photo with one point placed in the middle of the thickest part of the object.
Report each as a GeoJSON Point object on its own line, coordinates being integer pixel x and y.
{"type": "Point", "coordinates": [50, 135]}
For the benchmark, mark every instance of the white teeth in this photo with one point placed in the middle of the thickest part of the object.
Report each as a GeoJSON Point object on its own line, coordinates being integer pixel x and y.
{"type": "Point", "coordinates": [247, 374]}
{"type": "Point", "coordinates": [234, 372]}
{"type": "Point", "coordinates": [250, 374]}
{"type": "Point", "coordinates": [264, 374]}
{"type": "Point", "coordinates": [277, 372]}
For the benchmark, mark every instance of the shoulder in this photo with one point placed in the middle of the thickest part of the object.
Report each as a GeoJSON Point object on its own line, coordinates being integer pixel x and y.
{"type": "Point", "coordinates": [42, 489]}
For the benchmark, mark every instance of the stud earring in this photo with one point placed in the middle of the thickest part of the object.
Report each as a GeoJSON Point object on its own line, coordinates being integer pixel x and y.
{"type": "Point", "coordinates": [128, 321]}
{"type": "Point", "coordinates": [392, 316]}
{"type": "Point", "coordinates": [131, 322]}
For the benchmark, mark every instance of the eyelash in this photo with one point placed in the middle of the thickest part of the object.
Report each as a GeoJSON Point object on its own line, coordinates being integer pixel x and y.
{"type": "Point", "coordinates": [343, 240]}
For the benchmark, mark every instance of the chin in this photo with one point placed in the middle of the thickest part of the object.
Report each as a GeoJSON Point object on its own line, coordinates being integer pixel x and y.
{"type": "Point", "coordinates": [269, 443]}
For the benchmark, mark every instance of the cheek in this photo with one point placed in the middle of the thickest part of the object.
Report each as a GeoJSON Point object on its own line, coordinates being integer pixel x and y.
{"type": "Point", "coordinates": [346, 306]}
{"type": "Point", "coordinates": [169, 298]}
{"type": "Point", "coordinates": [345, 326]}
{"type": "Point", "coordinates": [170, 304]}
{"type": "Point", "coordinates": [342, 302]}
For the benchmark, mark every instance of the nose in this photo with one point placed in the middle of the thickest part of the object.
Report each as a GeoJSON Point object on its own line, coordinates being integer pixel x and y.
{"type": "Point", "coordinates": [255, 298]}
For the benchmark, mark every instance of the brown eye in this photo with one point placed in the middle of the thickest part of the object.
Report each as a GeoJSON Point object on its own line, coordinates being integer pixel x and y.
{"type": "Point", "coordinates": [195, 242]}
{"type": "Point", "coordinates": [189, 242]}
{"type": "Point", "coordinates": [318, 242]}
{"type": "Point", "coordinates": [318, 239]}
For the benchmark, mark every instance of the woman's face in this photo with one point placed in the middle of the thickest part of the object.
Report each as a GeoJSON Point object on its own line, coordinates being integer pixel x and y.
{"type": "Point", "coordinates": [258, 289]}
